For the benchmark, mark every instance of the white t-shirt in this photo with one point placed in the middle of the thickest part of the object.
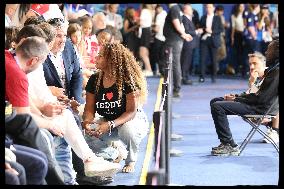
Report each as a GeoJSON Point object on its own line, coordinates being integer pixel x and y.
{"type": "Point", "coordinates": [145, 18]}
{"type": "Point", "coordinates": [160, 21]}
{"type": "Point", "coordinates": [238, 22]}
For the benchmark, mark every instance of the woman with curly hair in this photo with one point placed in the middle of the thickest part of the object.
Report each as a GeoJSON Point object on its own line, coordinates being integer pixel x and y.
{"type": "Point", "coordinates": [117, 92]}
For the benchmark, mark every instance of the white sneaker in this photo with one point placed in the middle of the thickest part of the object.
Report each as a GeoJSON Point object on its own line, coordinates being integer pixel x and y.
{"type": "Point", "coordinates": [97, 166]}
{"type": "Point", "coordinates": [273, 135]}
{"type": "Point", "coordinates": [122, 152]}
{"type": "Point", "coordinates": [148, 73]}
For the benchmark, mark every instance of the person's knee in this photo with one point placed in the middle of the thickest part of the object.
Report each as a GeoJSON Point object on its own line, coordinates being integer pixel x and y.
{"type": "Point", "coordinates": [212, 101]}
{"type": "Point", "coordinates": [40, 167]}
{"type": "Point", "coordinates": [215, 106]}
{"type": "Point", "coordinates": [126, 132]}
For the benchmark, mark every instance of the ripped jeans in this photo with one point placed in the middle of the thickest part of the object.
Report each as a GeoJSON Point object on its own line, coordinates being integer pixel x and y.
{"type": "Point", "coordinates": [130, 133]}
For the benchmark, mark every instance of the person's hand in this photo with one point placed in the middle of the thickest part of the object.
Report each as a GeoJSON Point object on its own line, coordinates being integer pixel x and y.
{"type": "Point", "coordinates": [229, 97]}
{"type": "Point", "coordinates": [187, 37]}
{"type": "Point", "coordinates": [10, 169]}
{"type": "Point", "coordinates": [208, 30]}
{"type": "Point", "coordinates": [55, 129]}
{"type": "Point", "coordinates": [199, 30]}
{"type": "Point", "coordinates": [74, 105]}
{"type": "Point", "coordinates": [56, 91]}
{"type": "Point", "coordinates": [52, 109]}
{"type": "Point", "coordinates": [253, 75]}
{"type": "Point", "coordinates": [102, 128]}
{"type": "Point", "coordinates": [87, 126]}
{"type": "Point", "coordinates": [63, 99]}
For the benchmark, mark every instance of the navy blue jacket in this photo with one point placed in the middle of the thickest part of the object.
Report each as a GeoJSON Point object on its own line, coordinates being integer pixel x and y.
{"type": "Point", "coordinates": [217, 29]}
{"type": "Point", "coordinates": [190, 29]}
{"type": "Point", "coordinates": [74, 79]}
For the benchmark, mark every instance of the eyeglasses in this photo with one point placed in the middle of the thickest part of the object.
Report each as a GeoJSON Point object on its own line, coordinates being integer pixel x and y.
{"type": "Point", "coordinates": [56, 21]}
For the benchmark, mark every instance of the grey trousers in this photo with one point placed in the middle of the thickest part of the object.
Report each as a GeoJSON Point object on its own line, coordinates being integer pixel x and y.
{"type": "Point", "coordinates": [176, 69]}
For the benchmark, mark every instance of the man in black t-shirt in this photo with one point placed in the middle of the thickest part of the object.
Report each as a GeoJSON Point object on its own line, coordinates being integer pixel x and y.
{"type": "Point", "coordinates": [175, 34]}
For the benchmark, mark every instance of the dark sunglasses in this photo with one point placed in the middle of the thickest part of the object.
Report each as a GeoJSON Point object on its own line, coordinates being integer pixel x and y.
{"type": "Point", "coordinates": [56, 21]}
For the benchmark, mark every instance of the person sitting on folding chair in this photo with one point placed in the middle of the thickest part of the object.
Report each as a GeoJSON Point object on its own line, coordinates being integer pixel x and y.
{"type": "Point", "coordinates": [257, 65]}
{"type": "Point", "coordinates": [252, 103]}
{"type": "Point", "coordinates": [256, 74]}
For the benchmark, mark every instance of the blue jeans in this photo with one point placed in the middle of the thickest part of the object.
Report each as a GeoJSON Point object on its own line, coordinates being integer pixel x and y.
{"type": "Point", "coordinates": [34, 162]}
{"type": "Point", "coordinates": [131, 134]}
{"type": "Point", "coordinates": [220, 108]}
{"type": "Point", "coordinates": [63, 156]}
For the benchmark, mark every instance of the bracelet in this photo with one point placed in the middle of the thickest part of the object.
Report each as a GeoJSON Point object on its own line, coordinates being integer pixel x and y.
{"type": "Point", "coordinates": [111, 125]}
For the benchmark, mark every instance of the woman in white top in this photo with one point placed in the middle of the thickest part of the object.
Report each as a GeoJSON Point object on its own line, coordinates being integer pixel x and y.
{"type": "Point", "coordinates": [237, 35]}
{"type": "Point", "coordinates": [145, 26]}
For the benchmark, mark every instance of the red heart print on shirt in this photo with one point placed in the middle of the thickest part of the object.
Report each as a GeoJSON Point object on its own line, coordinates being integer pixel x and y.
{"type": "Point", "coordinates": [109, 95]}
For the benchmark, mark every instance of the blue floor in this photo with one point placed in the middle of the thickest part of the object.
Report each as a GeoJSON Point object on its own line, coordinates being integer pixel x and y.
{"type": "Point", "coordinates": [257, 165]}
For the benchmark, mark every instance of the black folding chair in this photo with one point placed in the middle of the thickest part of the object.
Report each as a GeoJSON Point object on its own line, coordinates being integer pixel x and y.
{"type": "Point", "coordinates": [255, 121]}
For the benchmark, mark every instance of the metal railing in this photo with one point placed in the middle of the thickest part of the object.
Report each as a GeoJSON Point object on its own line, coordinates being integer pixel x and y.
{"type": "Point", "coordinates": [162, 126]}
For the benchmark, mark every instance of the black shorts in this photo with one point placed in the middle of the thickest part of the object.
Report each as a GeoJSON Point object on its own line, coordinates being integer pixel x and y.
{"type": "Point", "coordinates": [145, 37]}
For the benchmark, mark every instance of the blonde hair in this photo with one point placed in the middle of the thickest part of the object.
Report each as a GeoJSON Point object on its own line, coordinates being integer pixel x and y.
{"type": "Point", "coordinates": [125, 69]}
{"type": "Point", "coordinates": [72, 28]}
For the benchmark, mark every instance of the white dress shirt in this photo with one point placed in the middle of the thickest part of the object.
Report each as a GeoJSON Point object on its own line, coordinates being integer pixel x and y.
{"type": "Point", "coordinates": [209, 21]}
{"type": "Point", "coordinates": [59, 65]}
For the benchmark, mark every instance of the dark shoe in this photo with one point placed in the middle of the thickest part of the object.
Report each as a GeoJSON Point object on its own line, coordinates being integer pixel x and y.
{"type": "Point", "coordinates": [218, 147]}
{"type": "Point", "coordinates": [96, 180]}
{"type": "Point", "coordinates": [201, 79]}
{"type": "Point", "coordinates": [187, 82]}
{"type": "Point", "coordinates": [226, 150]}
{"type": "Point", "coordinates": [176, 94]}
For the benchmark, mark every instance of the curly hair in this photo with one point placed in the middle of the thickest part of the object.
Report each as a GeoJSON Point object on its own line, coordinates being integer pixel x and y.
{"type": "Point", "coordinates": [125, 69]}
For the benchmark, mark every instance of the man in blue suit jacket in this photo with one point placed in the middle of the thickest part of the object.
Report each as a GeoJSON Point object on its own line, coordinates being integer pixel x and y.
{"type": "Point", "coordinates": [62, 66]}
{"type": "Point", "coordinates": [210, 40]}
{"type": "Point", "coordinates": [188, 46]}
{"type": "Point", "coordinates": [63, 75]}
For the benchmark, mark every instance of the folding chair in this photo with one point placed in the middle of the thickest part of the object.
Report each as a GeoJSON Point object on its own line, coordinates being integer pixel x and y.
{"type": "Point", "coordinates": [255, 121]}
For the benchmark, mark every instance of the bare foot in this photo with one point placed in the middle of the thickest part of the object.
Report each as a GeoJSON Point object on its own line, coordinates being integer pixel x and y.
{"type": "Point", "coordinates": [118, 159]}
{"type": "Point", "coordinates": [129, 168]}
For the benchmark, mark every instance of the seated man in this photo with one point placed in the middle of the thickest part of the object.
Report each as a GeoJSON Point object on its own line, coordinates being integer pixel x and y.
{"type": "Point", "coordinates": [22, 128]}
{"type": "Point", "coordinates": [30, 53]}
{"type": "Point", "coordinates": [252, 103]}
{"type": "Point", "coordinates": [257, 66]}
